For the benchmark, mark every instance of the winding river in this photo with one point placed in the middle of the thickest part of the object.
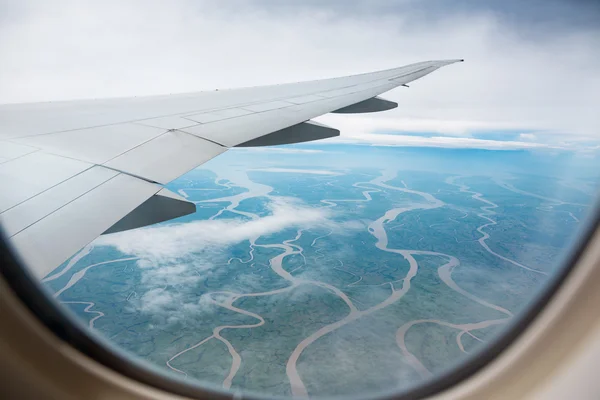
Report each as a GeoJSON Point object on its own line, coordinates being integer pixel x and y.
{"type": "Point", "coordinates": [289, 247]}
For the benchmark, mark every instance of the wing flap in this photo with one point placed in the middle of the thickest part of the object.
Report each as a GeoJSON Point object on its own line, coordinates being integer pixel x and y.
{"type": "Point", "coordinates": [163, 206]}
{"type": "Point", "coordinates": [50, 241]}
{"type": "Point", "coordinates": [374, 104]}
{"type": "Point", "coordinates": [303, 132]}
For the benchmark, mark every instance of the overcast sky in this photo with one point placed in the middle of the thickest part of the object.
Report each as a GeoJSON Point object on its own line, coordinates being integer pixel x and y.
{"type": "Point", "coordinates": [532, 71]}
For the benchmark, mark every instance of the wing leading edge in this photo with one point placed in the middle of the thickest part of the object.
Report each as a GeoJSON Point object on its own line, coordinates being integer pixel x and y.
{"type": "Point", "coordinates": [71, 171]}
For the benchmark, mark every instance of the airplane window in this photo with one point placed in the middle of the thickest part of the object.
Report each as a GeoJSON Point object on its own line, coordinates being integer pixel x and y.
{"type": "Point", "coordinates": [369, 263]}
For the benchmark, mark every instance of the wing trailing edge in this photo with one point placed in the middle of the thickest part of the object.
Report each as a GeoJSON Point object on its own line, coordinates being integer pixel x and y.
{"type": "Point", "coordinates": [374, 104]}
{"type": "Point", "coordinates": [302, 132]}
{"type": "Point", "coordinates": [163, 206]}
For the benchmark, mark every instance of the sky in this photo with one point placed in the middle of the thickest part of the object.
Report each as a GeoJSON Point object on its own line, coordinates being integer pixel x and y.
{"type": "Point", "coordinates": [531, 76]}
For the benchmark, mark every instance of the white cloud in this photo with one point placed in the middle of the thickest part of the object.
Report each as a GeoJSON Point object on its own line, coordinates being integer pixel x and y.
{"type": "Point", "coordinates": [154, 301]}
{"type": "Point", "coordinates": [167, 306]}
{"type": "Point", "coordinates": [176, 257]}
{"type": "Point", "coordinates": [297, 171]}
{"type": "Point", "coordinates": [543, 81]}
{"type": "Point", "coordinates": [442, 141]}
{"type": "Point", "coordinates": [527, 136]}
{"type": "Point", "coordinates": [169, 275]}
{"type": "Point", "coordinates": [388, 130]}
{"type": "Point", "coordinates": [367, 128]}
{"type": "Point", "coordinates": [169, 243]}
{"type": "Point", "coordinates": [282, 150]}
{"type": "Point", "coordinates": [357, 124]}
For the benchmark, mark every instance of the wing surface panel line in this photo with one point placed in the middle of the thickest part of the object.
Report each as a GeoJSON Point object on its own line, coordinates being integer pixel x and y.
{"type": "Point", "coordinates": [129, 173]}
{"type": "Point", "coordinates": [65, 204]}
{"type": "Point", "coordinates": [53, 186]}
{"type": "Point", "coordinates": [135, 147]}
{"type": "Point", "coordinates": [22, 155]}
{"type": "Point", "coordinates": [208, 140]}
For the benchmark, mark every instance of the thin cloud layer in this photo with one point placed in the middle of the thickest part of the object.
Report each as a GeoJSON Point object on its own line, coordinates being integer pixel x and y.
{"type": "Point", "coordinates": [169, 243]}
{"type": "Point", "coordinates": [371, 123]}
{"type": "Point", "coordinates": [445, 142]}
{"type": "Point", "coordinates": [281, 150]}
{"type": "Point", "coordinates": [297, 171]}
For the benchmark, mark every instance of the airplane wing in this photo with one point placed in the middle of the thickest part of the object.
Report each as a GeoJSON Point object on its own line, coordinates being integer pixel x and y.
{"type": "Point", "coordinates": [71, 171]}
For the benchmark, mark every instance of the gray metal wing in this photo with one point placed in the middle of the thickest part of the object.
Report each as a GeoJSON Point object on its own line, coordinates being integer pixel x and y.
{"type": "Point", "coordinates": [70, 171]}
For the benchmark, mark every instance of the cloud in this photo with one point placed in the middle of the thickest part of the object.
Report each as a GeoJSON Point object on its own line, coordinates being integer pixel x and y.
{"type": "Point", "coordinates": [282, 150]}
{"type": "Point", "coordinates": [169, 275]}
{"type": "Point", "coordinates": [358, 124]}
{"type": "Point", "coordinates": [297, 171]}
{"type": "Point", "coordinates": [167, 306]}
{"type": "Point", "coordinates": [156, 300]}
{"type": "Point", "coordinates": [175, 258]}
{"type": "Point", "coordinates": [169, 243]}
{"type": "Point", "coordinates": [443, 141]}
{"type": "Point", "coordinates": [527, 136]}
{"type": "Point", "coordinates": [554, 17]}
{"type": "Point", "coordinates": [389, 130]}
{"type": "Point", "coordinates": [512, 76]}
